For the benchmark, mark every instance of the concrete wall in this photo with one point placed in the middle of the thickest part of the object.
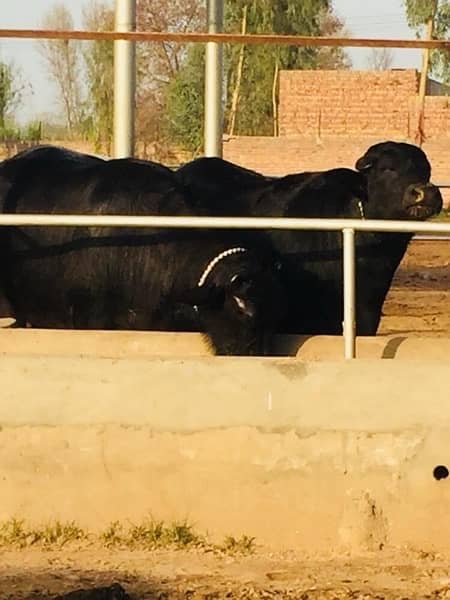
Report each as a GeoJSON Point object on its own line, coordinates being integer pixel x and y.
{"type": "Point", "coordinates": [146, 344]}
{"type": "Point", "coordinates": [299, 454]}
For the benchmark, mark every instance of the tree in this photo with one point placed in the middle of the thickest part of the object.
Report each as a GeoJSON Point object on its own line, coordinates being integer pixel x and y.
{"type": "Point", "coordinates": [380, 59]}
{"type": "Point", "coordinates": [418, 14]}
{"type": "Point", "coordinates": [253, 71]}
{"type": "Point", "coordinates": [158, 63]}
{"type": "Point", "coordinates": [184, 101]}
{"type": "Point", "coordinates": [99, 71]}
{"type": "Point", "coordinates": [10, 93]}
{"type": "Point", "coordinates": [63, 63]}
{"type": "Point", "coordinates": [258, 95]}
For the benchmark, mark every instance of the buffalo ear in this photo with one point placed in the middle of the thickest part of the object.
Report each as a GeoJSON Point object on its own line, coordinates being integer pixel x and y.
{"type": "Point", "coordinates": [365, 162]}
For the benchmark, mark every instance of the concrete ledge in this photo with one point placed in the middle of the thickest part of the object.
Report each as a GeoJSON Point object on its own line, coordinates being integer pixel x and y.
{"type": "Point", "coordinates": [144, 344]}
{"type": "Point", "coordinates": [193, 394]}
{"type": "Point", "coordinates": [298, 454]}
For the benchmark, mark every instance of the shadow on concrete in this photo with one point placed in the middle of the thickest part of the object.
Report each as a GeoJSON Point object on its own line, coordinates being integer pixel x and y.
{"type": "Point", "coordinates": [391, 348]}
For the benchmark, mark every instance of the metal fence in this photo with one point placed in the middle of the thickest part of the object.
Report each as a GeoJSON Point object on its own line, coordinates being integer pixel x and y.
{"type": "Point", "coordinates": [347, 226]}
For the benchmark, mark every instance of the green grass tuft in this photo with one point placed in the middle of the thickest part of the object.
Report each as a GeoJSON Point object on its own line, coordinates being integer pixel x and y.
{"type": "Point", "coordinates": [113, 535]}
{"type": "Point", "coordinates": [15, 533]}
{"type": "Point", "coordinates": [154, 534]}
{"type": "Point", "coordinates": [150, 534]}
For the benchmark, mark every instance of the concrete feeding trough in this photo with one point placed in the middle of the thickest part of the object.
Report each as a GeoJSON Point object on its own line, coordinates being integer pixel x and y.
{"type": "Point", "coordinates": [298, 452]}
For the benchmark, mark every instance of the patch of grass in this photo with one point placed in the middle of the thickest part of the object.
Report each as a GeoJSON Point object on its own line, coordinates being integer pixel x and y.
{"type": "Point", "coordinates": [242, 545]}
{"type": "Point", "coordinates": [154, 534]}
{"type": "Point", "coordinates": [181, 534]}
{"type": "Point", "coordinates": [59, 533]}
{"type": "Point", "coordinates": [150, 534]}
{"type": "Point", "coordinates": [113, 535]}
{"type": "Point", "coordinates": [14, 532]}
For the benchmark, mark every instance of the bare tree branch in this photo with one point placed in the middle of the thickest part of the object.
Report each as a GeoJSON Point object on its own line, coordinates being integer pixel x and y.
{"type": "Point", "coordinates": [380, 59]}
{"type": "Point", "coordinates": [62, 59]}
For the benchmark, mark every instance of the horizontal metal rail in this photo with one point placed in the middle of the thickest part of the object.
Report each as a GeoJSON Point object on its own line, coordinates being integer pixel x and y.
{"type": "Point", "coordinates": [347, 226]}
{"type": "Point", "coordinates": [222, 222]}
{"type": "Point", "coordinates": [236, 38]}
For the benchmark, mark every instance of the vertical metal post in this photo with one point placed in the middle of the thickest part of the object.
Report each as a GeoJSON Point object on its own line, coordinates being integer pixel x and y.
{"type": "Point", "coordinates": [349, 325]}
{"type": "Point", "coordinates": [124, 80]}
{"type": "Point", "coordinates": [213, 81]}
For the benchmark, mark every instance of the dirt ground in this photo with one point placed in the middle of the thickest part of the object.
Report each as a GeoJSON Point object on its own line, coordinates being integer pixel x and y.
{"type": "Point", "coordinates": [418, 303]}
{"type": "Point", "coordinates": [194, 575]}
{"type": "Point", "coordinates": [419, 299]}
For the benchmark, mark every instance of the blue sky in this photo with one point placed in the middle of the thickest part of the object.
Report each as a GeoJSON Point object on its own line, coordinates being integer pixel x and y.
{"type": "Point", "coordinates": [384, 18]}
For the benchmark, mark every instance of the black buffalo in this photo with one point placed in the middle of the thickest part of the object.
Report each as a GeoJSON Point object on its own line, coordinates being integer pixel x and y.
{"type": "Point", "coordinates": [128, 278]}
{"type": "Point", "coordinates": [391, 181]}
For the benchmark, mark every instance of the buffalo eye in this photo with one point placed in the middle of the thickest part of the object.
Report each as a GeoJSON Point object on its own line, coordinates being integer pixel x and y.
{"type": "Point", "coordinates": [237, 280]}
{"type": "Point", "coordinates": [240, 282]}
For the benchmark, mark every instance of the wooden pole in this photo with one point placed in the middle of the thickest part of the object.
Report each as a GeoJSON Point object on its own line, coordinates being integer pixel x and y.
{"type": "Point", "coordinates": [420, 133]}
{"type": "Point", "coordinates": [240, 67]}
{"type": "Point", "coordinates": [225, 38]}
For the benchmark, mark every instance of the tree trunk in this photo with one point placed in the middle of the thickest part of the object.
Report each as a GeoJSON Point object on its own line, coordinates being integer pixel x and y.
{"type": "Point", "coordinates": [420, 133]}
{"type": "Point", "coordinates": [274, 100]}
{"type": "Point", "coordinates": [240, 67]}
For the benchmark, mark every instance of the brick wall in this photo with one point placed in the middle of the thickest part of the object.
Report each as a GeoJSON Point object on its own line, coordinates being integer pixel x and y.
{"type": "Point", "coordinates": [357, 102]}
{"type": "Point", "coordinates": [437, 119]}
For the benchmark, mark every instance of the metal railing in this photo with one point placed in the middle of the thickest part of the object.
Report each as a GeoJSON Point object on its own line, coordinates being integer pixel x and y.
{"type": "Point", "coordinates": [347, 226]}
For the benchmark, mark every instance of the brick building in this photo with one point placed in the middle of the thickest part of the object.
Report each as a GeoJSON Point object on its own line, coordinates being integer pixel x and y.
{"type": "Point", "coordinates": [329, 118]}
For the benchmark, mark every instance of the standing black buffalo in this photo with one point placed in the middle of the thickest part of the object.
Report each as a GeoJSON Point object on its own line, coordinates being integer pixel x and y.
{"type": "Point", "coordinates": [128, 278]}
{"type": "Point", "coordinates": [391, 182]}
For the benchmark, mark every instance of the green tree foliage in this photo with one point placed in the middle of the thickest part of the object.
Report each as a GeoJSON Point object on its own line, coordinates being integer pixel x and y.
{"type": "Point", "coordinates": [184, 100]}
{"type": "Point", "coordinates": [99, 72]}
{"type": "Point", "coordinates": [418, 12]}
{"type": "Point", "coordinates": [10, 93]}
{"type": "Point", "coordinates": [257, 87]}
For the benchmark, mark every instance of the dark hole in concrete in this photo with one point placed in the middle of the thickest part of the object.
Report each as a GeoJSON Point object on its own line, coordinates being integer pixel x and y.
{"type": "Point", "coordinates": [440, 472]}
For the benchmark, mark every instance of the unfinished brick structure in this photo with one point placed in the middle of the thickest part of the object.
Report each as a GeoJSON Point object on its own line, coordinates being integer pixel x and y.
{"type": "Point", "coordinates": [329, 118]}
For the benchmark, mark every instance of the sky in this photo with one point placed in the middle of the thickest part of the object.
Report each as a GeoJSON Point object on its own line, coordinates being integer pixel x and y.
{"type": "Point", "coordinates": [384, 18]}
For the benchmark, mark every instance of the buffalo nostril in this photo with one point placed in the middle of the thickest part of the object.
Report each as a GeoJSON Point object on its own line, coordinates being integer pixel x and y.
{"type": "Point", "coordinates": [420, 194]}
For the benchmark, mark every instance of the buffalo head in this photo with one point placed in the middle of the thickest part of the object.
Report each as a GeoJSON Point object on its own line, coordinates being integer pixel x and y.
{"type": "Point", "coordinates": [398, 182]}
{"type": "Point", "coordinates": [238, 302]}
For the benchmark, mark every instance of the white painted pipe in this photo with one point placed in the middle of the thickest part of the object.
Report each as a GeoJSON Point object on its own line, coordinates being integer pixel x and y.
{"type": "Point", "coordinates": [349, 325]}
{"type": "Point", "coordinates": [213, 82]}
{"type": "Point", "coordinates": [348, 226]}
{"type": "Point", "coordinates": [124, 80]}
{"type": "Point", "coordinates": [223, 223]}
